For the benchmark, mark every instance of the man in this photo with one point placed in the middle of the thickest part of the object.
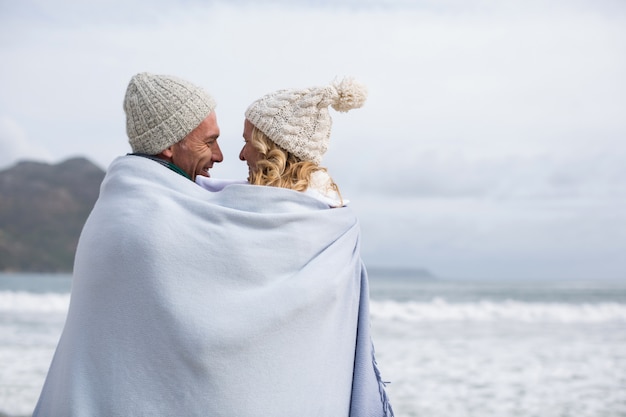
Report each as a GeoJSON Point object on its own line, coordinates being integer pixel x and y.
{"type": "Point", "coordinates": [124, 350]}
{"type": "Point", "coordinates": [173, 122]}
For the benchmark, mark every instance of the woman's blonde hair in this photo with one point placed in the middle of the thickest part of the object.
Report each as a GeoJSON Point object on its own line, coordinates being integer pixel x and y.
{"type": "Point", "coordinates": [277, 167]}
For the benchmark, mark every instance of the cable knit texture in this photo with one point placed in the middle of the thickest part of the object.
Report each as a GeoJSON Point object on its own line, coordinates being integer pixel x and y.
{"type": "Point", "coordinates": [161, 110]}
{"type": "Point", "coordinates": [299, 121]}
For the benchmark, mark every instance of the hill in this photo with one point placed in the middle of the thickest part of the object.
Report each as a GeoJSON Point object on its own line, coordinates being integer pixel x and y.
{"type": "Point", "coordinates": [42, 210]}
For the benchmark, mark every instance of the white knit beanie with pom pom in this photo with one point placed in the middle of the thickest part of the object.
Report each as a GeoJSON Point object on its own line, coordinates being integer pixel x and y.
{"type": "Point", "coordinates": [298, 120]}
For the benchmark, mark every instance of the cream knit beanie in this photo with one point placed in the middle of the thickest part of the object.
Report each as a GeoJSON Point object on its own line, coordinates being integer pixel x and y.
{"type": "Point", "coordinates": [161, 110]}
{"type": "Point", "coordinates": [298, 120]}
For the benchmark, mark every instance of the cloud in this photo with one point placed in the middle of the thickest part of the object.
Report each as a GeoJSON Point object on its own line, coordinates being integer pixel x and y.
{"type": "Point", "coordinates": [492, 139]}
{"type": "Point", "coordinates": [455, 175]}
{"type": "Point", "coordinates": [486, 239]}
{"type": "Point", "coordinates": [15, 144]}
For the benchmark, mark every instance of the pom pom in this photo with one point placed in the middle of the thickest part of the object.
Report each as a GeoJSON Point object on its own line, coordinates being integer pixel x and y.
{"type": "Point", "coordinates": [350, 95]}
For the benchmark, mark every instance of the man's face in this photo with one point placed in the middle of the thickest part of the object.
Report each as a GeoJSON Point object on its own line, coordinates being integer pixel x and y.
{"type": "Point", "coordinates": [197, 152]}
{"type": "Point", "coordinates": [249, 153]}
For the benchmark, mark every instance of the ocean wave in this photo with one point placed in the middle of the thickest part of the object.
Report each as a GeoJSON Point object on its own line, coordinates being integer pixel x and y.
{"type": "Point", "coordinates": [26, 302]}
{"type": "Point", "coordinates": [441, 310]}
{"type": "Point", "coordinates": [436, 310]}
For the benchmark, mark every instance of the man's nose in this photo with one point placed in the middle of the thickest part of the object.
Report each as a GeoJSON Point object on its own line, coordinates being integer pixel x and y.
{"type": "Point", "coordinates": [217, 153]}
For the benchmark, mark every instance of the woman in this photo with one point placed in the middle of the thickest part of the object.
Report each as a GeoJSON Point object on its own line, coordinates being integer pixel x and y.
{"type": "Point", "coordinates": [286, 134]}
{"type": "Point", "coordinates": [309, 248]}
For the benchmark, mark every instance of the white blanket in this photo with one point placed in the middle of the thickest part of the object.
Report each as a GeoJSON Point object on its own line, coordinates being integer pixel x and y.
{"type": "Point", "coordinates": [187, 302]}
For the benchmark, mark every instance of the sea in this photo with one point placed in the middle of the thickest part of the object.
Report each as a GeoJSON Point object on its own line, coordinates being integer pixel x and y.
{"type": "Point", "coordinates": [447, 348]}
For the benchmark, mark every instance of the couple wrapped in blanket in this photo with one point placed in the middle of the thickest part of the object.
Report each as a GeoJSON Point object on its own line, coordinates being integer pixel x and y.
{"type": "Point", "coordinates": [193, 296]}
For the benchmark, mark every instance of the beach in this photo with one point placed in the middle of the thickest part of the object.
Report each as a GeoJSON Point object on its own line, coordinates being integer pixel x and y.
{"type": "Point", "coordinates": [448, 348]}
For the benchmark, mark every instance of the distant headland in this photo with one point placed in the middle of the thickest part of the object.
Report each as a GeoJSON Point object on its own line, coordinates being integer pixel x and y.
{"type": "Point", "coordinates": [42, 211]}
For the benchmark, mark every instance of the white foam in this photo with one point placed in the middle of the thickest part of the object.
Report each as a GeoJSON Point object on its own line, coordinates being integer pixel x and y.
{"type": "Point", "coordinates": [440, 310]}
{"type": "Point", "coordinates": [25, 302]}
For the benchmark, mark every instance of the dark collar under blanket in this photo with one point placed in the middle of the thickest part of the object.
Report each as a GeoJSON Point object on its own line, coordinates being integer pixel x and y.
{"type": "Point", "coordinates": [163, 162]}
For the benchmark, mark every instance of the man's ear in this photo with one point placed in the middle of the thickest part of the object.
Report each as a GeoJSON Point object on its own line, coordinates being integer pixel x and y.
{"type": "Point", "coordinates": [166, 153]}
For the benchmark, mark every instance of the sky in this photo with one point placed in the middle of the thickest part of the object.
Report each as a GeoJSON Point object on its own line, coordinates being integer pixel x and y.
{"type": "Point", "coordinates": [492, 144]}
